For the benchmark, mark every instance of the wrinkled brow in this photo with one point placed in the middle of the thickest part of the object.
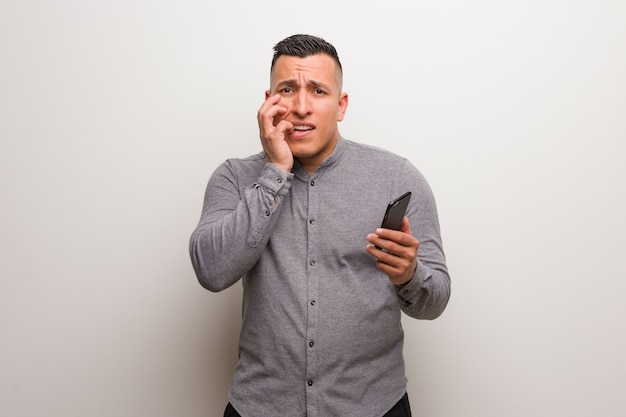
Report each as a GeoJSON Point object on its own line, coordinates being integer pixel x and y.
{"type": "Point", "coordinates": [294, 83]}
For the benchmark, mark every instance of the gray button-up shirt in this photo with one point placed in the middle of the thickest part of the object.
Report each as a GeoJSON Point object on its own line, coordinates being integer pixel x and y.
{"type": "Point", "coordinates": [321, 332]}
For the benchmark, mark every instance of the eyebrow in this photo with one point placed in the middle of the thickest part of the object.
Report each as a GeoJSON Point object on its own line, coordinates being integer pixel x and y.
{"type": "Point", "coordinates": [293, 82]}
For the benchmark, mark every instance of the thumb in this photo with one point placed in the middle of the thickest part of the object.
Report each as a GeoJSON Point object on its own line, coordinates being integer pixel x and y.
{"type": "Point", "coordinates": [406, 226]}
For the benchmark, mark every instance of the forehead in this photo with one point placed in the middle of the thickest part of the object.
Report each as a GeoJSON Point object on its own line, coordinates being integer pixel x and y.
{"type": "Point", "coordinates": [320, 67]}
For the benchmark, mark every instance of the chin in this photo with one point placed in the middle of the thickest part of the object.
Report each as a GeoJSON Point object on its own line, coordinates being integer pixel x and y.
{"type": "Point", "coordinates": [301, 151]}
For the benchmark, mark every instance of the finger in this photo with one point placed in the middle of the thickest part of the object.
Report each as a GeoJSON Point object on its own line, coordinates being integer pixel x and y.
{"type": "Point", "coordinates": [406, 226]}
{"type": "Point", "coordinates": [269, 109]}
{"type": "Point", "coordinates": [267, 113]}
{"type": "Point", "coordinates": [393, 270]}
{"type": "Point", "coordinates": [377, 242]}
{"type": "Point", "coordinates": [270, 103]}
{"type": "Point", "coordinates": [271, 100]}
{"type": "Point", "coordinates": [277, 134]}
{"type": "Point", "coordinates": [284, 127]}
{"type": "Point", "coordinates": [392, 253]}
{"type": "Point", "coordinates": [397, 236]}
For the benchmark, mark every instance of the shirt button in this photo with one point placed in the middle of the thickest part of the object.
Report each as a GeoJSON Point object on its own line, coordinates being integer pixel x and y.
{"type": "Point", "coordinates": [312, 183]}
{"type": "Point", "coordinates": [311, 344]}
{"type": "Point", "coordinates": [310, 383]}
{"type": "Point", "coordinates": [312, 263]}
{"type": "Point", "coordinates": [279, 180]}
{"type": "Point", "coordinates": [267, 212]}
{"type": "Point", "coordinates": [312, 302]}
{"type": "Point", "coordinates": [312, 222]}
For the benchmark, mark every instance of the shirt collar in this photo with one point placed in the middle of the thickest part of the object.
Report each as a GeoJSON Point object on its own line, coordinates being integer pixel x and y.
{"type": "Point", "coordinates": [330, 160]}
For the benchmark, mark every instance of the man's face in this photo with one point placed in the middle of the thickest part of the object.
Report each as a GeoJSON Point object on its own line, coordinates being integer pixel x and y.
{"type": "Point", "coordinates": [310, 89]}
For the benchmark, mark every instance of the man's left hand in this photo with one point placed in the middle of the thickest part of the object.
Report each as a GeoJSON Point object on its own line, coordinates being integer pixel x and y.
{"type": "Point", "coordinates": [397, 256]}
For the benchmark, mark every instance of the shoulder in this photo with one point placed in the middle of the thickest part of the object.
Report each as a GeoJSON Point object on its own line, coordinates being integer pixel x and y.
{"type": "Point", "coordinates": [252, 160]}
{"type": "Point", "coordinates": [377, 159]}
{"type": "Point", "coordinates": [238, 170]}
{"type": "Point", "coordinates": [385, 168]}
{"type": "Point", "coordinates": [246, 164]}
{"type": "Point", "coordinates": [372, 153]}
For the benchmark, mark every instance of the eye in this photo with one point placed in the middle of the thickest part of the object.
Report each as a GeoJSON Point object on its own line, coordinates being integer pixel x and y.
{"type": "Point", "coordinates": [286, 90]}
{"type": "Point", "coordinates": [319, 91]}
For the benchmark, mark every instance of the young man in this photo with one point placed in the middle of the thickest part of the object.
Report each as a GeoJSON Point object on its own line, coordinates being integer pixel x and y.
{"type": "Point", "coordinates": [323, 284]}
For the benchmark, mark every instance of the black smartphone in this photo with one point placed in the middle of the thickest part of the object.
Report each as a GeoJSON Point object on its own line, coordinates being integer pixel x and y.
{"type": "Point", "coordinates": [395, 212]}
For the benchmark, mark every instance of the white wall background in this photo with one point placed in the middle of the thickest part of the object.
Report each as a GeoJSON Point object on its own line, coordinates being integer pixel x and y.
{"type": "Point", "coordinates": [114, 114]}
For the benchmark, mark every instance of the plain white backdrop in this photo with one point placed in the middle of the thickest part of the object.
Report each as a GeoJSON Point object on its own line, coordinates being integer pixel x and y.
{"type": "Point", "coordinates": [114, 114]}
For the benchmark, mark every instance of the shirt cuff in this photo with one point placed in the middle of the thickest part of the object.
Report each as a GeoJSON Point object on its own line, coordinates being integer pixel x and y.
{"type": "Point", "coordinates": [275, 180]}
{"type": "Point", "coordinates": [408, 292]}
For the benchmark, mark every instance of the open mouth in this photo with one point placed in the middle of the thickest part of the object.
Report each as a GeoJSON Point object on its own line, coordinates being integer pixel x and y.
{"type": "Point", "coordinates": [300, 131]}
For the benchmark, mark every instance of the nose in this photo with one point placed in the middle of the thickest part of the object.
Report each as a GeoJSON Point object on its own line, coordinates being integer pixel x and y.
{"type": "Point", "coordinates": [301, 104]}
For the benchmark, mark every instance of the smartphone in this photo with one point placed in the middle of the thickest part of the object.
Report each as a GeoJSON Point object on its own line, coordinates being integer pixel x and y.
{"type": "Point", "coordinates": [395, 212]}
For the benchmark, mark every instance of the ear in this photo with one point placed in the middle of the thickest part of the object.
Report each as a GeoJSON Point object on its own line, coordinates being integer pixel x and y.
{"type": "Point", "coordinates": [343, 106]}
{"type": "Point", "coordinates": [267, 94]}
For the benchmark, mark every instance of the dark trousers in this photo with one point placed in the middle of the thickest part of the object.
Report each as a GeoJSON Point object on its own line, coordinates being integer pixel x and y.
{"type": "Point", "coordinates": [401, 409]}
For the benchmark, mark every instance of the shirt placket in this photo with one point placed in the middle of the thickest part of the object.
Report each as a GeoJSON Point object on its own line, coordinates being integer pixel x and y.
{"type": "Point", "coordinates": [312, 376]}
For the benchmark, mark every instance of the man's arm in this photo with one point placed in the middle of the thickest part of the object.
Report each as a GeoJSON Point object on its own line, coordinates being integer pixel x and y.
{"type": "Point", "coordinates": [395, 252]}
{"type": "Point", "coordinates": [233, 230]}
{"type": "Point", "coordinates": [413, 257]}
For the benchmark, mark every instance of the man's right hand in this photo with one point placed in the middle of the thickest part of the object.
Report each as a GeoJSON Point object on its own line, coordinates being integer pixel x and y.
{"type": "Point", "coordinates": [274, 137]}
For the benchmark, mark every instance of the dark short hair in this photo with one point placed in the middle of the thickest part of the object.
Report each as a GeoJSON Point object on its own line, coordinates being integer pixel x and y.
{"type": "Point", "coordinates": [303, 46]}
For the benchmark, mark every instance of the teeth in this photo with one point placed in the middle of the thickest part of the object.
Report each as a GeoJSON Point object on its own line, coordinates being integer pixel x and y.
{"type": "Point", "coordinates": [302, 128]}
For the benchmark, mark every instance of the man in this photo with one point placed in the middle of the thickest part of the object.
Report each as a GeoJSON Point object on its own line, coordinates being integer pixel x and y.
{"type": "Point", "coordinates": [323, 284]}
